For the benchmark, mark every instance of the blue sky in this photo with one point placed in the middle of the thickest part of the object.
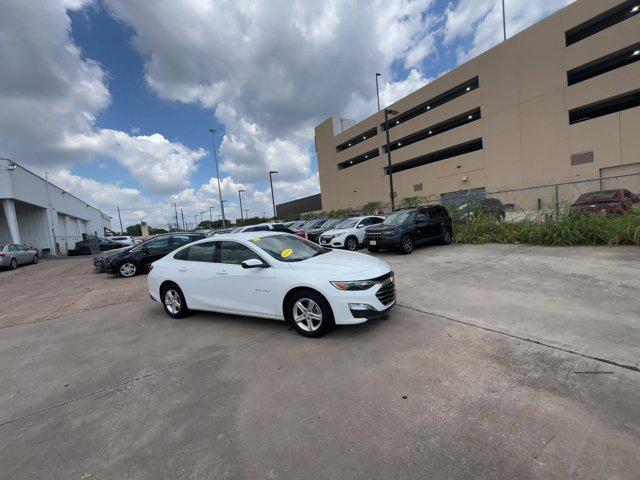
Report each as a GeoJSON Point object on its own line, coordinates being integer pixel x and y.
{"type": "Point", "coordinates": [114, 98]}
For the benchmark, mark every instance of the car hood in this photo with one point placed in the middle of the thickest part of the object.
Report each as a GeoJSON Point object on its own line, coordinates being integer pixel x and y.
{"type": "Point", "coordinates": [342, 264]}
{"type": "Point", "coordinates": [317, 230]}
{"type": "Point", "coordinates": [382, 228]}
{"type": "Point", "coordinates": [114, 252]}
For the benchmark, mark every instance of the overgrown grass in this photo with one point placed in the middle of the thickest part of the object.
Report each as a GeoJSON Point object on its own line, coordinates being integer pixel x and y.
{"type": "Point", "coordinates": [551, 228]}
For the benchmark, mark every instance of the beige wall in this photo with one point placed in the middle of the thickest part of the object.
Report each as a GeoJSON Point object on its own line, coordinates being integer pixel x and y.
{"type": "Point", "coordinates": [524, 100]}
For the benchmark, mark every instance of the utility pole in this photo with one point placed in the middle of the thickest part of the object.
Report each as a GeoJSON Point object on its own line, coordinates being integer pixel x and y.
{"type": "Point", "coordinates": [377, 90]}
{"type": "Point", "coordinates": [195, 219]}
{"type": "Point", "coordinates": [215, 159]}
{"type": "Point", "coordinates": [120, 218]}
{"type": "Point", "coordinates": [182, 213]}
{"type": "Point", "coordinates": [273, 198]}
{"type": "Point", "coordinates": [201, 219]}
{"type": "Point", "coordinates": [240, 198]}
{"type": "Point", "coordinates": [210, 216]}
{"type": "Point", "coordinates": [388, 112]}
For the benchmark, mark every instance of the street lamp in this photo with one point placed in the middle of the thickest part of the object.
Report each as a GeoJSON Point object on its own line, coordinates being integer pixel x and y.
{"type": "Point", "coordinates": [215, 159]}
{"type": "Point", "coordinates": [240, 198]}
{"type": "Point", "coordinates": [377, 90]}
{"type": "Point", "coordinates": [195, 220]}
{"type": "Point", "coordinates": [273, 198]}
{"type": "Point", "coordinates": [210, 216]}
{"type": "Point", "coordinates": [388, 112]}
{"type": "Point", "coordinates": [246, 212]}
{"type": "Point", "coordinates": [201, 220]}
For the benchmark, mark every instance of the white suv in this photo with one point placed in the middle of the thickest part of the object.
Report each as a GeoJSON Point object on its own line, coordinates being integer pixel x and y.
{"type": "Point", "coordinates": [349, 233]}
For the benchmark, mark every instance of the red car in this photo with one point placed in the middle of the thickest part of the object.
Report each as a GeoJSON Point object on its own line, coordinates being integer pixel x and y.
{"type": "Point", "coordinates": [606, 201]}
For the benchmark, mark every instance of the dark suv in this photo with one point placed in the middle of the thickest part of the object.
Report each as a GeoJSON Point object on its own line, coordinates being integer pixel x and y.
{"type": "Point", "coordinates": [136, 260]}
{"type": "Point", "coordinates": [405, 228]}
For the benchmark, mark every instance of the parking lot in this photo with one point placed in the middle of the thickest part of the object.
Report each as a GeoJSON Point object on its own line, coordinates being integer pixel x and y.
{"type": "Point", "coordinates": [499, 361]}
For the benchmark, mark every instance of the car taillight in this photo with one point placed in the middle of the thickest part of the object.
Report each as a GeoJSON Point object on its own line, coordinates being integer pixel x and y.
{"type": "Point", "coordinates": [1, 254]}
{"type": "Point", "coordinates": [149, 268]}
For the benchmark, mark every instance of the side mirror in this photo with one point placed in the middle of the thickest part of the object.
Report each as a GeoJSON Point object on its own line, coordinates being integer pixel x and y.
{"type": "Point", "coordinates": [253, 263]}
{"type": "Point", "coordinates": [360, 226]}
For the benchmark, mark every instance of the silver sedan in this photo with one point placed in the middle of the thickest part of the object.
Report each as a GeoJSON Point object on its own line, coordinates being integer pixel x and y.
{"type": "Point", "coordinates": [12, 255]}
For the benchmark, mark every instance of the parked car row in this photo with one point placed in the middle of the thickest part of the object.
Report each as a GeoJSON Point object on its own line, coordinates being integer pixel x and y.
{"type": "Point", "coordinates": [615, 202]}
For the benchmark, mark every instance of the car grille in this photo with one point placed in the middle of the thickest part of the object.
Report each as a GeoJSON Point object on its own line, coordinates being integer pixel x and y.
{"type": "Point", "coordinates": [387, 293]}
{"type": "Point", "coordinates": [327, 238]}
{"type": "Point", "coordinates": [373, 234]}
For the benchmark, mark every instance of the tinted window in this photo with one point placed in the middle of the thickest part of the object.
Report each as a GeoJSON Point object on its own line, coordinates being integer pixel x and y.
{"type": "Point", "coordinates": [201, 252]}
{"type": "Point", "coordinates": [376, 220]}
{"type": "Point", "coordinates": [154, 245]}
{"type": "Point", "coordinates": [278, 227]}
{"type": "Point", "coordinates": [235, 253]}
{"type": "Point", "coordinates": [398, 217]}
{"type": "Point", "coordinates": [421, 217]}
{"type": "Point", "coordinates": [182, 239]}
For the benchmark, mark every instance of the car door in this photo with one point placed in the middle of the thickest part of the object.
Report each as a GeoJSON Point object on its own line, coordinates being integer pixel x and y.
{"type": "Point", "coordinates": [195, 274]}
{"type": "Point", "coordinates": [156, 249]}
{"type": "Point", "coordinates": [248, 291]}
{"type": "Point", "coordinates": [361, 227]}
{"type": "Point", "coordinates": [21, 254]}
{"type": "Point", "coordinates": [422, 226]}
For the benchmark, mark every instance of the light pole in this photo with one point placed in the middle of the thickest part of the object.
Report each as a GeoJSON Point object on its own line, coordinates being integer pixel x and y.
{"type": "Point", "coordinates": [388, 112]}
{"type": "Point", "coordinates": [215, 159]}
{"type": "Point", "coordinates": [377, 90]}
{"type": "Point", "coordinates": [273, 198]}
{"type": "Point", "coordinates": [210, 216]}
{"type": "Point", "coordinates": [246, 212]}
{"type": "Point", "coordinates": [240, 198]}
{"type": "Point", "coordinates": [201, 219]}
{"type": "Point", "coordinates": [195, 217]}
{"type": "Point", "coordinates": [504, 22]}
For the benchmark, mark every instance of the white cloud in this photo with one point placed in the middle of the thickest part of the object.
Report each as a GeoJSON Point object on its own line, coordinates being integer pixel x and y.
{"type": "Point", "coordinates": [50, 98]}
{"type": "Point", "coordinates": [155, 162]}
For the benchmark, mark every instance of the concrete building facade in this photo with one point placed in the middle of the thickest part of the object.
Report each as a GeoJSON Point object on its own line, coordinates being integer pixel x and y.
{"type": "Point", "coordinates": [35, 212]}
{"type": "Point", "coordinates": [558, 102]}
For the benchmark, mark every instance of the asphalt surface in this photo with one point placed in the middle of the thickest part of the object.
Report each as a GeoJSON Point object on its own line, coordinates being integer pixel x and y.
{"type": "Point", "coordinates": [96, 382]}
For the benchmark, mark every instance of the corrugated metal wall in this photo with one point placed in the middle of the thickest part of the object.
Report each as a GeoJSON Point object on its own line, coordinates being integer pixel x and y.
{"type": "Point", "coordinates": [32, 224]}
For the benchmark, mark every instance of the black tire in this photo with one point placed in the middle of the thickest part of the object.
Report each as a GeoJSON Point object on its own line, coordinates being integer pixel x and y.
{"type": "Point", "coordinates": [351, 244]}
{"type": "Point", "coordinates": [173, 301]}
{"type": "Point", "coordinates": [35, 259]}
{"type": "Point", "coordinates": [373, 249]}
{"type": "Point", "coordinates": [13, 264]}
{"type": "Point", "coordinates": [127, 269]}
{"type": "Point", "coordinates": [406, 245]}
{"type": "Point", "coordinates": [446, 236]}
{"type": "Point", "coordinates": [309, 327]}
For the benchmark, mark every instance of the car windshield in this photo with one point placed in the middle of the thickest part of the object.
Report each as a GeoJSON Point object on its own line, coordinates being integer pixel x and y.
{"type": "Point", "coordinates": [597, 195]}
{"type": "Point", "coordinates": [331, 223]}
{"type": "Point", "coordinates": [288, 248]}
{"type": "Point", "coordinates": [397, 218]}
{"type": "Point", "coordinates": [309, 224]}
{"type": "Point", "coordinates": [348, 223]}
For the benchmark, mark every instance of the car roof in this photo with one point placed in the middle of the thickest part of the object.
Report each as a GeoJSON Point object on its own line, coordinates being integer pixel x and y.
{"type": "Point", "coordinates": [242, 236]}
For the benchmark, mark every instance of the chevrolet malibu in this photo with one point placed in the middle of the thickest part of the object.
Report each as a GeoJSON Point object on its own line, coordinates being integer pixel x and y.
{"type": "Point", "coordinates": [273, 275]}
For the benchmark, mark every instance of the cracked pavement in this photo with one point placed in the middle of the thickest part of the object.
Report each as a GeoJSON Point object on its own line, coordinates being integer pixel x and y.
{"type": "Point", "coordinates": [96, 380]}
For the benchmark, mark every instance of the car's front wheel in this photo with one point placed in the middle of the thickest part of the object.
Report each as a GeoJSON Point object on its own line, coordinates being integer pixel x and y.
{"type": "Point", "coordinates": [309, 313]}
{"type": "Point", "coordinates": [351, 244]}
{"type": "Point", "coordinates": [127, 269]}
{"type": "Point", "coordinates": [173, 301]}
{"type": "Point", "coordinates": [35, 259]}
{"type": "Point", "coordinates": [13, 264]}
{"type": "Point", "coordinates": [406, 245]}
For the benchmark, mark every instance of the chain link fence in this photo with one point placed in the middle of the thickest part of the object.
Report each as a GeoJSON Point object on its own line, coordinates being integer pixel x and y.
{"type": "Point", "coordinates": [518, 203]}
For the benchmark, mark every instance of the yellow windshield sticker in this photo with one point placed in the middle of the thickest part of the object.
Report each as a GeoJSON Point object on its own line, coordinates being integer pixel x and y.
{"type": "Point", "coordinates": [286, 253]}
{"type": "Point", "coordinates": [257, 239]}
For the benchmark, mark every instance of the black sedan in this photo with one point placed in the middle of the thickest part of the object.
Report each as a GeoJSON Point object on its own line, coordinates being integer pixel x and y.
{"type": "Point", "coordinates": [130, 262]}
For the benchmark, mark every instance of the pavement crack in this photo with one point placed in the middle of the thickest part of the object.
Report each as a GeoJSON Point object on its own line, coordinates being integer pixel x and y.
{"type": "Point", "coordinates": [632, 368]}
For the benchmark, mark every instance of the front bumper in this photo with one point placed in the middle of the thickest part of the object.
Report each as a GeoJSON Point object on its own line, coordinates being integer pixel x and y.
{"type": "Point", "coordinates": [336, 242]}
{"type": "Point", "coordinates": [387, 243]}
{"type": "Point", "coordinates": [352, 307]}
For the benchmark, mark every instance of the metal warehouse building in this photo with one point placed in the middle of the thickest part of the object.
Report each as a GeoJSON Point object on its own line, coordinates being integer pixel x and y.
{"type": "Point", "coordinates": [35, 212]}
{"type": "Point", "coordinates": [558, 102]}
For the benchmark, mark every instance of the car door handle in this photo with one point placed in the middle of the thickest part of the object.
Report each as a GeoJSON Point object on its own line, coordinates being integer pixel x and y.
{"type": "Point", "coordinates": [182, 269]}
{"type": "Point", "coordinates": [221, 272]}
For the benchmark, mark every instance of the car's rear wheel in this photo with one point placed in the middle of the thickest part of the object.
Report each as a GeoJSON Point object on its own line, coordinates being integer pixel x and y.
{"type": "Point", "coordinates": [13, 264]}
{"type": "Point", "coordinates": [351, 244]}
{"type": "Point", "coordinates": [446, 235]}
{"type": "Point", "coordinates": [406, 245]}
{"type": "Point", "coordinates": [309, 313]}
{"type": "Point", "coordinates": [173, 301]}
{"type": "Point", "coordinates": [127, 269]}
{"type": "Point", "coordinates": [35, 259]}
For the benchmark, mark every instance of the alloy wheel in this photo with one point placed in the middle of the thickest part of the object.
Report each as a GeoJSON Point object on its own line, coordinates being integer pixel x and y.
{"type": "Point", "coordinates": [13, 264]}
{"type": "Point", "coordinates": [172, 301]}
{"type": "Point", "coordinates": [352, 244]}
{"type": "Point", "coordinates": [128, 269]}
{"type": "Point", "coordinates": [307, 315]}
{"type": "Point", "coordinates": [407, 245]}
{"type": "Point", "coordinates": [446, 236]}
{"type": "Point", "coordinates": [35, 259]}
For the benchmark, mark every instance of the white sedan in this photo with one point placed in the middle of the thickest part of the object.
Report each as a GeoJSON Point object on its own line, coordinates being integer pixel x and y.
{"type": "Point", "coordinates": [349, 233]}
{"type": "Point", "coordinates": [273, 275]}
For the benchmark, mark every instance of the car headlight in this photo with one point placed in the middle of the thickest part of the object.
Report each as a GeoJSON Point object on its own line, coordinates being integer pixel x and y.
{"type": "Point", "coordinates": [355, 285]}
{"type": "Point", "coordinates": [390, 233]}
